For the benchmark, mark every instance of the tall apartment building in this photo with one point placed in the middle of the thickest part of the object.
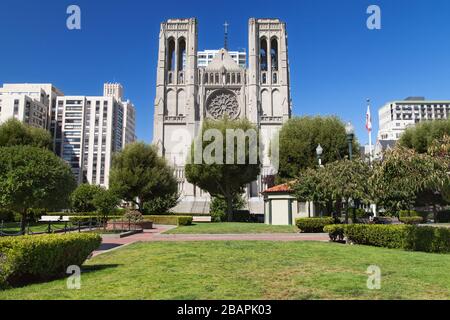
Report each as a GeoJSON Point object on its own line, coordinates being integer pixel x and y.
{"type": "Point", "coordinates": [92, 130]}
{"type": "Point", "coordinates": [33, 104]}
{"type": "Point", "coordinates": [206, 57]}
{"type": "Point", "coordinates": [395, 117]}
{"type": "Point", "coordinates": [86, 131]}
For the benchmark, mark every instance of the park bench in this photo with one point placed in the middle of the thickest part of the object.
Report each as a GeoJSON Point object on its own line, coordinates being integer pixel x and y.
{"type": "Point", "coordinates": [53, 219]}
{"type": "Point", "coordinates": [201, 219]}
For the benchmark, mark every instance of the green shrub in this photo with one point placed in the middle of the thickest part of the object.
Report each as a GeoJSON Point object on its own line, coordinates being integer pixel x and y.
{"type": "Point", "coordinates": [389, 236]}
{"type": "Point", "coordinates": [311, 225]}
{"type": "Point", "coordinates": [71, 214]}
{"type": "Point", "coordinates": [161, 205]}
{"type": "Point", "coordinates": [27, 259]}
{"type": "Point", "coordinates": [81, 199]}
{"type": "Point", "coordinates": [411, 220]}
{"type": "Point", "coordinates": [94, 219]}
{"type": "Point", "coordinates": [360, 213]}
{"type": "Point", "coordinates": [407, 213]}
{"type": "Point", "coordinates": [218, 210]}
{"type": "Point", "coordinates": [443, 216]}
{"type": "Point", "coordinates": [133, 216]}
{"type": "Point", "coordinates": [34, 215]}
{"type": "Point", "coordinates": [335, 231]}
{"type": "Point", "coordinates": [407, 237]}
{"type": "Point", "coordinates": [119, 211]}
{"type": "Point", "coordinates": [170, 220]}
{"type": "Point", "coordinates": [7, 215]}
{"type": "Point", "coordinates": [424, 215]}
{"type": "Point", "coordinates": [184, 221]}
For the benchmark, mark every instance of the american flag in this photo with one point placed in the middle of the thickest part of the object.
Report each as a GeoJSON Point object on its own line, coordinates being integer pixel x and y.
{"type": "Point", "coordinates": [368, 120]}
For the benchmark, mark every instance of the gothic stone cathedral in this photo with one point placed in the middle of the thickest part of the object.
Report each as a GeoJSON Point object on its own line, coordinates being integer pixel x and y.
{"type": "Point", "coordinates": [187, 93]}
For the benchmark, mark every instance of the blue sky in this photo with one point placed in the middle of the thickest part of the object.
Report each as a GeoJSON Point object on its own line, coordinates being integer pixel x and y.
{"type": "Point", "coordinates": [336, 62]}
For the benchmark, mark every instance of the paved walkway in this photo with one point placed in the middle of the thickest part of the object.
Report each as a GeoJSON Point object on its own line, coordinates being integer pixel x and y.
{"type": "Point", "coordinates": [155, 234]}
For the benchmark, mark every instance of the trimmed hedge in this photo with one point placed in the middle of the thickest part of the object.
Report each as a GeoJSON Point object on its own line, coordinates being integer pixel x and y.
{"type": "Point", "coordinates": [389, 236]}
{"type": "Point", "coordinates": [170, 220]}
{"type": "Point", "coordinates": [335, 231]}
{"type": "Point", "coordinates": [93, 219]}
{"type": "Point", "coordinates": [27, 259]}
{"type": "Point", "coordinates": [413, 214]}
{"type": "Point", "coordinates": [70, 214]}
{"type": "Point", "coordinates": [313, 225]}
{"type": "Point", "coordinates": [407, 237]}
{"type": "Point", "coordinates": [407, 213]}
{"type": "Point", "coordinates": [411, 220]}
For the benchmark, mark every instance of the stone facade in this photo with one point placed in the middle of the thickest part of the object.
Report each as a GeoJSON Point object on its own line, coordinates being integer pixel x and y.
{"type": "Point", "coordinates": [186, 94]}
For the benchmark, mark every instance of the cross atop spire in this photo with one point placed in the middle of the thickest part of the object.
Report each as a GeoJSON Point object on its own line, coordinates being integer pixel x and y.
{"type": "Point", "coordinates": [225, 43]}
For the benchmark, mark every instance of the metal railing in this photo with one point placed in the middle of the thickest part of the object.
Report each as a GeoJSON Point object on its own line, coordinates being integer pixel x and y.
{"type": "Point", "coordinates": [79, 226]}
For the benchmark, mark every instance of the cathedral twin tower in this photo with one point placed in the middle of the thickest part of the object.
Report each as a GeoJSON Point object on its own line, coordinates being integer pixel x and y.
{"type": "Point", "coordinates": [186, 93]}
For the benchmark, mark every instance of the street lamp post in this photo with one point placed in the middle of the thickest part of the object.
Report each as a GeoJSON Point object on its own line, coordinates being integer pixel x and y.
{"type": "Point", "coordinates": [319, 151]}
{"type": "Point", "coordinates": [350, 131]}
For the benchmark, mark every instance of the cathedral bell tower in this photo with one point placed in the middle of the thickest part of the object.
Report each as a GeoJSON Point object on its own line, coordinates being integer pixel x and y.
{"type": "Point", "coordinates": [269, 95]}
{"type": "Point", "coordinates": [176, 89]}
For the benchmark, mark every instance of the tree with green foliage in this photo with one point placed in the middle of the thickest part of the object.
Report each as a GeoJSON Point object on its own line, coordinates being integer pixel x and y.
{"type": "Point", "coordinates": [403, 175]}
{"type": "Point", "coordinates": [220, 170]}
{"type": "Point", "coordinates": [299, 138]}
{"type": "Point", "coordinates": [13, 133]}
{"type": "Point", "coordinates": [348, 181]}
{"type": "Point", "coordinates": [81, 199]}
{"type": "Point", "coordinates": [218, 208]}
{"type": "Point", "coordinates": [422, 136]}
{"type": "Point", "coordinates": [32, 177]}
{"type": "Point", "coordinates": [105, 202]}
{"type": "Point", "coordinates": [139, 175]}
{"type": "Point", "coordinates": [311, 185]}
{"type": "Point", "coordinates": [162, 204]}
{"type": "Point", "coordinates": [440, 150]}
{"type": "Point", "coordinates": [333, 183]}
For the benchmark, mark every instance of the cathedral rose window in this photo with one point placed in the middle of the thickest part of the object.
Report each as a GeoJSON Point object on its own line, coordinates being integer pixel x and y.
{"type": "Point", "coordinates": [221, 103]}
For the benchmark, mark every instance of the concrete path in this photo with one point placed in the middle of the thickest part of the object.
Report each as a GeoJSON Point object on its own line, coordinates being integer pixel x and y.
{"type": "Point", "coordinates": [109, 244]}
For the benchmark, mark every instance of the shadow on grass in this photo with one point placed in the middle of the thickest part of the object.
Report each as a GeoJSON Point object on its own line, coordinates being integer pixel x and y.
{"type": "Point", "coordinates": [99, 267]}
{"type": "Point", "coordinates": [27, 279]}
{"type": "Point", "coordinates": [108, 246]}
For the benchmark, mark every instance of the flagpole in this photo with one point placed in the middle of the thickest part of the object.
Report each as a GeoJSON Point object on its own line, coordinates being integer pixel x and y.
{"type": "Point", "coordinates": [370, 132]}
{"type": "Point", "coordinates": [373, 207]}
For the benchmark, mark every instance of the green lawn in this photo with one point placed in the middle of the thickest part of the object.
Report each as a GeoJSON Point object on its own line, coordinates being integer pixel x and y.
{"type": "Point", "coordinates": [251, 270]}
{"type": "Point", "coordinates": [231, 228]}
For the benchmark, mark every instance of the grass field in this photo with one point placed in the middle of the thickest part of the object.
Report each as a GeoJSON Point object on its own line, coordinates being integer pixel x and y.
{"type": "Point", "coordinates": [251, 270]}
{"type": "Point", "coordinates": [231, 228]}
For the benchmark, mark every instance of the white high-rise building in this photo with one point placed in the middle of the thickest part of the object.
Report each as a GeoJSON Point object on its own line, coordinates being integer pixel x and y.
{"type": "Point", "coordinates": [86, 131]}
{"type": "Point", "coordinates": [113, 90]}
{"type": "Point", "coordinates": [205, 57]}
{"type": "Point", "coordinates": [395, 117]}
{"type": "Point", "coordinates": [92, 129]}
{"type": "Point", "coordinates": [33, 104]}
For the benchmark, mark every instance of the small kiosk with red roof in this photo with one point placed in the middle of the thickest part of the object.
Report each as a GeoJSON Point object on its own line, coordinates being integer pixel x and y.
{"type": "Point", "coordinates": [282, 208]}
